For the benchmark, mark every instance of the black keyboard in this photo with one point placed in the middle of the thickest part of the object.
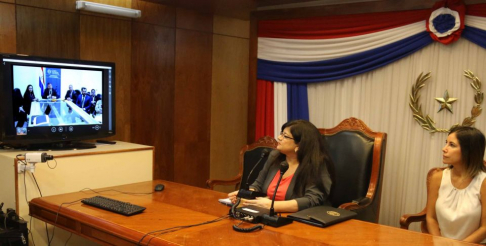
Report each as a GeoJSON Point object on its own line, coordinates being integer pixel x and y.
{"type": "Point", "coordinates": [113, 205]}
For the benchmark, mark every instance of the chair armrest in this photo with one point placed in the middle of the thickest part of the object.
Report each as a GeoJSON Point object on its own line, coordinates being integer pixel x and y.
{"type": "Point", "coordinates": [406, 219]}
{"type": "Point", "coordinates": [210, 183]}
{"type": "Point", "coordinates": [356, 204]}
{"type": "Point", "coordinates": [350, 206]}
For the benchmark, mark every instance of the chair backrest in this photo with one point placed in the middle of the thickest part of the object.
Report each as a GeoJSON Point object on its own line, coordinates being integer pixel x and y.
{"type": "Point", "coordinates": [358, 155]}
{"type": "Point", "coordinates": [252, 159]}
{"type": "Point", "coordinates": [250, 156]}
{"type": "Point", "coordinates": [432, 171]}
{"type": "Point", "coordinates": [407, 219]}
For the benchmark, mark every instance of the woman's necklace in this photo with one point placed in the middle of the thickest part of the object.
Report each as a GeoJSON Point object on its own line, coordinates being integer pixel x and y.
{"type": "Point", "coordinates": [459, 182]}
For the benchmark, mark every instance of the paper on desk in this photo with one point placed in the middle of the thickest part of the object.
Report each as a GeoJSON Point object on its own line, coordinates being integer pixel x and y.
{"type": "Point", "coordinates": [225, 201]}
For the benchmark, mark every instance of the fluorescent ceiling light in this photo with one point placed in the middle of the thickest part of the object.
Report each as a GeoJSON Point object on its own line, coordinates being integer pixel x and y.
{"type": "Point", "coordinates": [108, 9]}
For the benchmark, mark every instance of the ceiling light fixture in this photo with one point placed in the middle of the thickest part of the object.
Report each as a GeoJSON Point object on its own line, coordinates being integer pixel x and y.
{"type": "Point", "coordinates": [108, 9]}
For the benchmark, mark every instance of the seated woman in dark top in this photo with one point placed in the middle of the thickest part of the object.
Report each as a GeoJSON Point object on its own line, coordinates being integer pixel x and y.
{"type": "Point", "coordinates": [29, 97]}
{"type": "Point", "coordinates": [307, 182]}
{"type": "Point", "coordinates": [18, 108]}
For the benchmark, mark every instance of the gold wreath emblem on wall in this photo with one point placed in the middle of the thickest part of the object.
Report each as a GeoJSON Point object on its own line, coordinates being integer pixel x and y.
{"type": "Point", "coordinates": [428, 123]}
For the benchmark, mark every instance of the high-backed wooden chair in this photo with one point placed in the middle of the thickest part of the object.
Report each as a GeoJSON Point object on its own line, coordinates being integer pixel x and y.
{"type": "Point", "coordinates": [249, 157]}
{"type": "Point", "coordinates": [407, 219]}
{"type": "Point", "coordinates": [358, 154]}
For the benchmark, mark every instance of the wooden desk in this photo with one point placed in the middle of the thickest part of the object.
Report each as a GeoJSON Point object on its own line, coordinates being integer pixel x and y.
{"type": "Point", "coordinates": [180, 205]}
{"type": "Point", "coordinates": [73, 170]}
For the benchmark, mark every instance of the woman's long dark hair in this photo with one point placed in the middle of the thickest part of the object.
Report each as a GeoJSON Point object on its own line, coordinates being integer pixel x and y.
{"type": "Point", "coordinates": [472, 143]}
{"type": "Point", "coordinates": [17, 98]}
{"type": "Point", "coordinates": [312, 155]}
{"type": "Point", "coordinates": [27, 93]}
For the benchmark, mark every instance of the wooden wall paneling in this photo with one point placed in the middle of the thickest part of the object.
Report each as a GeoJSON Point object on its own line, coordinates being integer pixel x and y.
{"type": "Point", "coordinates": [50, 33]}
{"type": "Point", "coordinates": [70, 5]}
{"type": "Point", "coordinates": [154, 13]}
{"type": "Point", "coordinates": [189, 19]}
{"type": "Point", "coordinates": [8, 1]}
{"type": "Point", "coordinates": [229, 105]}
{"type": "Point", "coordinates": [192, 106]}
{"type": "Point", "coordinates": [8, 35]}
{"type": "Point", "coordinates": [63, 5]}
{"type": "Point", "coordinates": [231, 27]}
{"type": "Point", "coordinates": [152, 93]}
{"type": "Point", "coordinates": [105, 39]}
{"type": "Point", "coordinates": [252, 80]}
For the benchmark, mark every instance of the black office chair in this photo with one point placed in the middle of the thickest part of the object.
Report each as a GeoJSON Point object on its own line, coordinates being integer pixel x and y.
{"type": "Point", "coordinates": [358, 155]}
{"type": "Point", "coordinates": [250, 155]}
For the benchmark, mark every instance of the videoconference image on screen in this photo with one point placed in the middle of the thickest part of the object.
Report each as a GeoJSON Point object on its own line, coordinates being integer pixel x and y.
{"type": "Point", "coordinates": [54, 103]}
{"type": "Point", "coordinates": [57, 97]}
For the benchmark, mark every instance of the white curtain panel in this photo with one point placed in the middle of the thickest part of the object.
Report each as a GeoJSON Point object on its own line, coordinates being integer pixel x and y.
{"type": "Point", "coordinates": [381, 99]}
{"type": "Point", "coordinates": [306, 50]}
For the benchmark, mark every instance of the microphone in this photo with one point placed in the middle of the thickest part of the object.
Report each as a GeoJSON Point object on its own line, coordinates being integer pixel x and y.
{"type": "Point", "coordinates": [264, 153]}
{"type": "Point", "coordinates": [284, 166]}
{"type": "Point", "coordinates": [272, 219]}
{"type": "Point", "coordinates": [247, 193]}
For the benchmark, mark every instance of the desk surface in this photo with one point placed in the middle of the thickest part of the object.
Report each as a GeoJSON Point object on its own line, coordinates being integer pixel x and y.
{"type": "Point", "coordinates": [180, 205]}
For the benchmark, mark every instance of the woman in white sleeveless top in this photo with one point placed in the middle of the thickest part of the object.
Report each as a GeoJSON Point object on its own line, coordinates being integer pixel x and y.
{"type": "Point", "coordinates": [456, 204]}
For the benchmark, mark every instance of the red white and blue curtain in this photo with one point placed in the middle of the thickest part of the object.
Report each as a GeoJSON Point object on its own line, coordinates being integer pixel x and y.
{"type": "Point", "coordinates": [315, 50]}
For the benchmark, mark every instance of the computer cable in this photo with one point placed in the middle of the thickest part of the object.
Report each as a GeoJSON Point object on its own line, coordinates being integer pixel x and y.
{"type": "Point", "coordinates": [5, 220]}
{"type": "Point", "coordinates": [69, 238]}
{"type": "Point", "coordinates": [37, 184]}
{"type": "Point", "coordinates": [175, 228]}
{"type": "Point", "coordinates": [233, 208]}
{"type": "Point", "coordinates": [30, 230]}
{"type": "Point", "coordinates": [20, 235]}
{"type": "Point", "coordinates": [40, 192]}
{"type": "Point", "coordinates": [25, 185]}
{"type": "Point", "coordinates": [235, 215]}
{"type": "Point", "coordinates": [6, 216]}
{"type": "Point", "coordinates": [38, 188]}
{"type": "Point", "coordinates": [203, 223]}
{"type": "Point", "coordinates": [49, 240]}
{"type": "Point", "coordinates": [123, 192]}
{"type": "Point", "coordinates": [27, 200]}
{"type": "Point", "coordinates": [47, 162]}
{"type": "Point", "coordinates": [246, 230]}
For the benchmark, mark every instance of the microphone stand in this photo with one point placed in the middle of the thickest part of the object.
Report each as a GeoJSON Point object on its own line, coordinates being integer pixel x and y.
{"type": "Point", "coordinates": [247, 193]}
{"type": "Point", "coordinates": [272, 219]}
{"type": "Point", "coordinates": [264, 153]}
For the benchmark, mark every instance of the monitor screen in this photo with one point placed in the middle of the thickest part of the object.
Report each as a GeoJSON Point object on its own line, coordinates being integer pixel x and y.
{"type": "Point", "coordinates": [56, 100]}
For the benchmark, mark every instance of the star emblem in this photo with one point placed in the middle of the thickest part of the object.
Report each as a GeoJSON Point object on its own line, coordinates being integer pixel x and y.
{"type": "Point", "coordinates": [445, 102]}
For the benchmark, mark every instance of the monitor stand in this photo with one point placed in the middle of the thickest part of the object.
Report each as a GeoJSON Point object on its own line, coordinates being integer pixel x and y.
{"type": "Point", "coordinates": [61, 146]}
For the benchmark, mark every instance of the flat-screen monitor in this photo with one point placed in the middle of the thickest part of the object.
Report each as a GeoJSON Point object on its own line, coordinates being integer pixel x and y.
{"type": "Point", "coordinates": [49, 102]}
